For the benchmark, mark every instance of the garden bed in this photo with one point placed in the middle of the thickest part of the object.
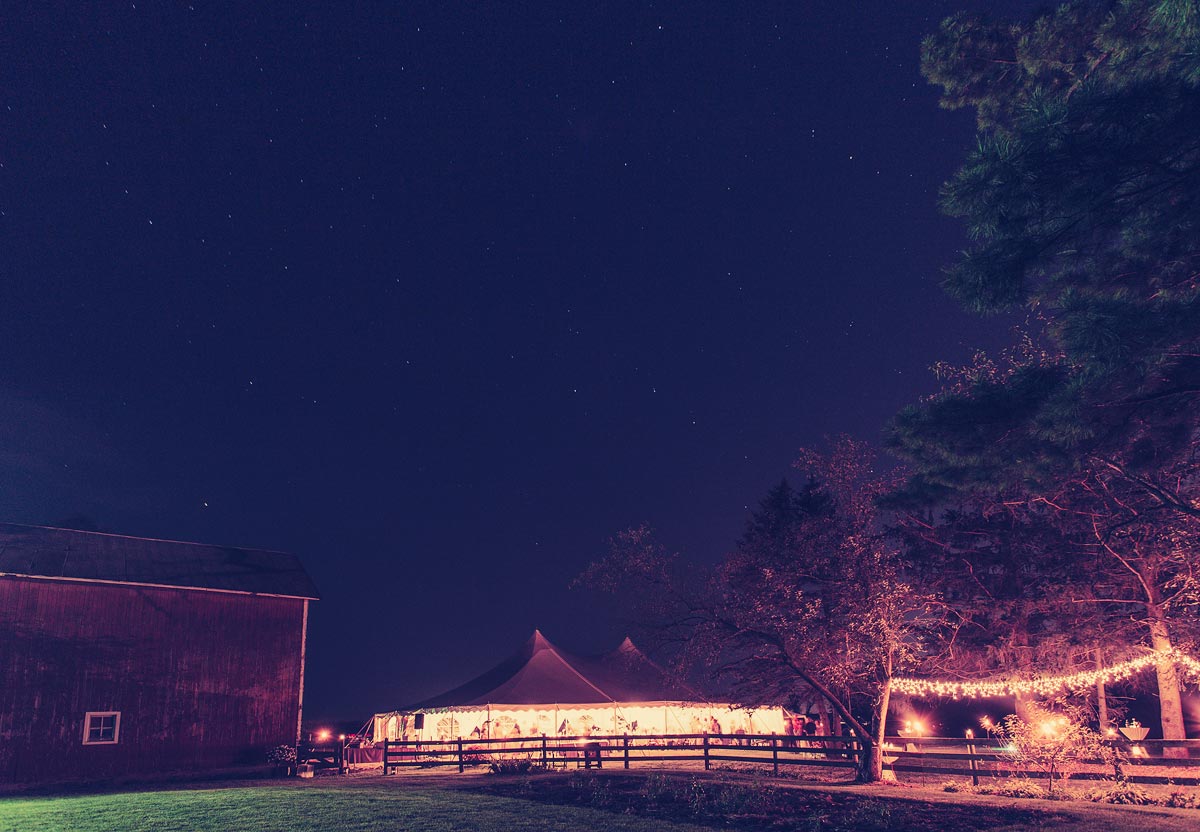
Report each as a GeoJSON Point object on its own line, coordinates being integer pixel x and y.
{"type": "Point", "coordinates": [754, 804]}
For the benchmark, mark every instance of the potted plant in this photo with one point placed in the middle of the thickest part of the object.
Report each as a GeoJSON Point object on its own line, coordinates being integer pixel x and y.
{"type": "Point", "coordinates": [283, 757]}
{"type": "Point", "coordinates": [1135, 731]}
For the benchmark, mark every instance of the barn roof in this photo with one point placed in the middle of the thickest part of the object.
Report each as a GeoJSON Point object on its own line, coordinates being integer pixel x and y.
{"type": "Point", "coordinates": [542, 674]}
{"type": "Point", "coordinates": [37, 551]}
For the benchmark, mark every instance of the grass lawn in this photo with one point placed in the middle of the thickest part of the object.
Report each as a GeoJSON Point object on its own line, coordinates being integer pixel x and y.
{"type": "Point", "coordinates": [409, 805]}
{"type": "Point", "coordinates": [311, 808]}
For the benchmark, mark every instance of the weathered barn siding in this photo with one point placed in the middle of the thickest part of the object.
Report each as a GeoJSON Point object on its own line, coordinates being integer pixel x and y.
{"type": "Point", "coordinates": [202, 679]}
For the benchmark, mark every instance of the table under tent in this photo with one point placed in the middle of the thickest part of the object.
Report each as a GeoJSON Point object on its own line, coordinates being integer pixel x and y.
{"type": "Point", "coordinates": [541, 690]}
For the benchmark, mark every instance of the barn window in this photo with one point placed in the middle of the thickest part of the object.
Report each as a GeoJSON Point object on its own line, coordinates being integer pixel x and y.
{"type": "Point", "coordinates": [101, 727]}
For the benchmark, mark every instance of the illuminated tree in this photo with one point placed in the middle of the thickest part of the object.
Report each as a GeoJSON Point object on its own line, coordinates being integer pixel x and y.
{"type": "Point", "coordinates": [1023, 608]}
{"type": "Point", "coordinates": [1082, 200]}
{"type": "Point", "coordinates": [1135, 553]}
{"type": "Point", "coordinates": [1142, 562]}
{"type": "Point", "coordinates": [1055, 740]}
{"type": "Point", "coordinates": [815, 598]}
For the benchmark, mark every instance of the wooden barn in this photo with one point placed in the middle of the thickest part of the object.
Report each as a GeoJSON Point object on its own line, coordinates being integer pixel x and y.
{"type": "Point", "coordinates": [121, 656]}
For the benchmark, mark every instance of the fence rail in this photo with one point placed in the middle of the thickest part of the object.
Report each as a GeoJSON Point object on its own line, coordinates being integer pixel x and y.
{"type": "Point", "coordinates": [975, 758]}
{"type": "Point", "coordinates": [323, 756]}
{"type": "Point", "coordinates": [620, 749]}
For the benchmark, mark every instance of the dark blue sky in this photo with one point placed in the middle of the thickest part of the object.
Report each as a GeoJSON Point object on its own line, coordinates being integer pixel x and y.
{"type": "Point", "coordinates": [439, 296]}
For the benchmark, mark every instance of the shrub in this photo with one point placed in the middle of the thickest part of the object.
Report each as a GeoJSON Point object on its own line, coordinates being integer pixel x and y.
{"type": "Point", "coordinates": [655, 788]}
{"type": "Point", "coordinates": [952, 786]}
{"type": "Point", "coordinates": [1055, 741]}
{"type": "Point", "coordinates": [596, 791]}
{"type": "Point", "coordinates": [1182, 800]}
{"type": "Point", "coordinates": [282, 755]}
{"type": "Point", "coordinates": [1016, 787]}
{"type": "Point", "coordinates": [1126, 794]}
{"type": "Point", "coordinates": [514, 767]}
{"type": "Point", "coordinates": [1121, 793]}
{"type": "Point", "coordinates": [710, 799]}
{"type": "Point", "coordinates": [757, 799]}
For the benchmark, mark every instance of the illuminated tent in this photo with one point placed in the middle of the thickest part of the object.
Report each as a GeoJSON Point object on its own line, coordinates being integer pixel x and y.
{"type": "Point", "coordinates": [543, 690]}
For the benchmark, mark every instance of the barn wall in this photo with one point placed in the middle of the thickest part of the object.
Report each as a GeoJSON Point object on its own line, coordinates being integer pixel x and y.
{"type": "Point", "coordinates": [202, 679]}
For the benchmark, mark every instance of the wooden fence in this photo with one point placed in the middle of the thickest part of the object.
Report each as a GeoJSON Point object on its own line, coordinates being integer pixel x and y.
{"type": "Point", "coordinates": [974, 758]}
{"type": "Point", "coordinates": [1143, 762]}
{"type": "Point", "coordinates": [323, 756]}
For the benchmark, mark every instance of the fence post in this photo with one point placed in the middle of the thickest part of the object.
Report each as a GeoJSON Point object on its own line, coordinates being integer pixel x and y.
{"type": "Point", "coordinates": [340, 759]}
{"type": "Point", "coordinates": [973, 762]}
{"type": "Point", "coordinates": [626, 751]}
{"type": "Point", "coordinates": [385, 760]}
{"type": "Point", "coordinates": [460, 756]}
{"type": "Point", "coordinates": [543, 750]}
{"type": "Point", "coordinates": [775, 754]}
{"type": "Point", "coordinates": [706, 751]}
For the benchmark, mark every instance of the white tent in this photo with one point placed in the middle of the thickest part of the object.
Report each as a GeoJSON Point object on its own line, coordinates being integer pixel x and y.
{"type": "Point", "coordinates": [543, 691]}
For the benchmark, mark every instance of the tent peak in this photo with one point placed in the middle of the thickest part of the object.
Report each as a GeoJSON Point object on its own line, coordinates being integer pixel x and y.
{"type": "Point", "coordinates": [538, 642]}
{"type": "Point", "coordinates": [541, 673]}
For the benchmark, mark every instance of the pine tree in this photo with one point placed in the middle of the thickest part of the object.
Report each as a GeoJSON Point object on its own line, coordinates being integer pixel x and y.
{"type": "Point", "coordinates": [774, 525]}
{"type": "Point", "coordinates": [1082, 200]}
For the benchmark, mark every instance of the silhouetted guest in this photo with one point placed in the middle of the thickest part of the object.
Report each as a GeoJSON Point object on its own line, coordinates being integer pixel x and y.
{"type": "Point", "coordinates": [810, 731]}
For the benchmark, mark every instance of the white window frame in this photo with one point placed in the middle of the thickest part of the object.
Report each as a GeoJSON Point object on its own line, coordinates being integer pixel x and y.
{"type": "Point", "coordinates": [87, 724]}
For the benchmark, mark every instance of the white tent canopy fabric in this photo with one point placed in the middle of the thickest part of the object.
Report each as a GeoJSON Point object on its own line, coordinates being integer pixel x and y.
{"type": "Point", "coordinates": [542, 690]}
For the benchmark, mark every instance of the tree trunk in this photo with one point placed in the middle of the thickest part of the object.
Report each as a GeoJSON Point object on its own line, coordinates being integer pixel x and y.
{"type": "Point", "coordinates": [1170, 702]}
{"type": "Point", "coordinates": [861, 732]}
{"type": "Point", "coordinates": [1101, 696]}
{"type": "Point", "coordinates": [1024, 663]}
{"type": "Point", "coordinates": [870, 764]}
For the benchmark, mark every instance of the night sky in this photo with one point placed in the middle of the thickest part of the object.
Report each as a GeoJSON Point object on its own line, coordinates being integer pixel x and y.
{"type": "Point", "coordinates": [440, 296]}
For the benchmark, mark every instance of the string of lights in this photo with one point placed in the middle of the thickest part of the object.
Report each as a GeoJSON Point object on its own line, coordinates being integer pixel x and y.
{"type": "Point", "coordinates": [1040, 685]}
